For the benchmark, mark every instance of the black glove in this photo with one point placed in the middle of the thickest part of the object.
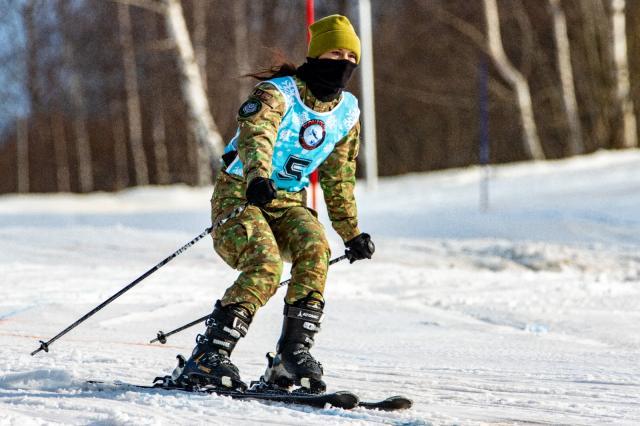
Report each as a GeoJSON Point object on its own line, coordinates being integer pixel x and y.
{"type": "Point", "coordinates": [360, 247]}
{"type": "Point", "coordinates": [261, 191]}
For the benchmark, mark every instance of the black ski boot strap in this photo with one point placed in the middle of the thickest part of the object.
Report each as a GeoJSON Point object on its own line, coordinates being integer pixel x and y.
{"type": "Point", "coordinates": [225, 326]}
{"type": "Point", "coordinates": [314, 316]}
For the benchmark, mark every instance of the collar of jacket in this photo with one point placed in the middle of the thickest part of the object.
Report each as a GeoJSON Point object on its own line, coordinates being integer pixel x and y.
{"type": "Point", "coordinates": [313, 102]}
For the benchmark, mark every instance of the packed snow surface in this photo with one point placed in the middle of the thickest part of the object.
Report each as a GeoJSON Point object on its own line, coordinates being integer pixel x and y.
{"type": "Point", "coordinates": [523, 314]}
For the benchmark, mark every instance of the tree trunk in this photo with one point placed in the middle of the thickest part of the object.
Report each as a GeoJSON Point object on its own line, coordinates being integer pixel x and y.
{"type": "Point", "coordinates": [160, 146]}
{"type": "Point", "coordinates": [83, 147]}
{"type": "Point", "coordinates": [22, 153]}
{"type": "Point", "coordinates": [623, 86]}
{"type": "Point", "coordinates": [202, 123]}
{"type": "Point", "coordinates": [63, 180]}
{"type": "Point", "coordinates": [76, 93]}
{"type": "Point", "coordinates": [133, 96]}
{"type": "Point", "coordinates": [192, 160]}
{"type": "Point", "coordinates": [240, 16]}
{"type": "Point", "coordinates": [563, 50]}
{"type": "Point", "coordinates": [597, 59]}
{"type": "Point", "coordinates": [531, 141]}
{"type": "Point", "coordinates": [119, 148]}
{"type": "Point", "coordinates": [31, 56]}
{"type": "Point", "coordinates": [200, 52]}
{"type": "Point", "coordinates": [200, 37]}
{"type": "Point", "coordinates": [158, 133]}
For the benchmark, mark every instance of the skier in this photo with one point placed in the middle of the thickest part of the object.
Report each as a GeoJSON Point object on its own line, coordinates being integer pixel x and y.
{"type": "Point", "coordinates": [296, 120]}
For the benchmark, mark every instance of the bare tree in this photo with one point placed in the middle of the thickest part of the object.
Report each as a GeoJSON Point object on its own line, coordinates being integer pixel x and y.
{"type": "Point", "coordinates": [623, 85]}
{"type": "Point", "coordinates": [209, 140]}
{"type": "Point", "coordinates": [119, 146]}
{"type": "Point", "coordinates": [565, 69]}
{"type": "Point", "coordinates": [200, 9]}
{"type": "Point", "coordinates": [31, 55]}
{"type": "Point", "coordinates": [133, 96]}
{"type": "Point", "coordinates": [64, 74]}
{"type": "Point", "coordinates": [241, 41]}
{"type": "Point", "coordinates": [595, 80]}
{"type": "Point", "coordinates": [63, 180]}
{"type": "Point", "coordinates": [207, 135]}
{"type": "Point", "coordinates": [22, 151]}
{"type": "Point", "coordinates": [22, 130]}
{"type": "Point", "coordinates": [76, 92]}
{"type": "Point", "coordinates": [532, 144]}
{"type": "Point", "coordinates": [158, 132]}
{"type": "Point", "coordinates": [160, 146]}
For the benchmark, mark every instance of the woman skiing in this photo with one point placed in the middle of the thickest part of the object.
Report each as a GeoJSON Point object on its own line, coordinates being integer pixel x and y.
{"type": "Point", "coordinates": [295, 121]}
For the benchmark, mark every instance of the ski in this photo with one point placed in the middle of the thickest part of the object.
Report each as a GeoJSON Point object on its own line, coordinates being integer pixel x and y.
{"type": "Point", "coordinates": [340, 399]}
{"type": "Point", "coordinates": [392, 403]}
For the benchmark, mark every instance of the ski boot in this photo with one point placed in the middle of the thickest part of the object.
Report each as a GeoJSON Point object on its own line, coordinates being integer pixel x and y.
{"type": "Point", "coordinates": [293, 364]}
{"type": "Point", "coordinates": [209, 364]}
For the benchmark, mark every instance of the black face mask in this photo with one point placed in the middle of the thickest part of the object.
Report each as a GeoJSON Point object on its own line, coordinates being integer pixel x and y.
{"type": "Point", "coordinates": [326, 77]}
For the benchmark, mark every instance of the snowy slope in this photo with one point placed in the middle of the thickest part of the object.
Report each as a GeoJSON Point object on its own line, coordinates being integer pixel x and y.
{"type": "Point", "coordinates": [527, 313]}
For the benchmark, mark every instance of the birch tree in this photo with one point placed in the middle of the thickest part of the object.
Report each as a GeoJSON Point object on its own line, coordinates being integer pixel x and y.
{"type": "Point", "coordinates": [201, 123]}
{"type": "Point", "coordinates": [205, 130]}
{"type": "Point", "coordinates": [532, 145]}
{"type": "Point", "coordinates": [119, 147]}
{"type": "Point", "coordinates": [22, 152]}
{"type": "Point", "coordinates": [133, 96]}
{"type": "Point", "coordinates": [241, 41]}
{"type": "Point", "coordinates": [77, 96]}
{"type": "Point", "coordinates": [63, 180]}
{"type": "Point", "coordinates": [158, 132]}
{"type": "Point", "coordinates": [33, 90]}
{"type": "Point", "coordinates": [31, 56]}
{"type": "Point", "coordinates": [623, 86]}
{"type": "Point", "coordinates": [199, 156]}
{"type": "Point", "coordinates": [200, 37]}
{"type": "Point", "coordinates": [596, 79]}
{"type": "Point", "coordinates": [565, 69]}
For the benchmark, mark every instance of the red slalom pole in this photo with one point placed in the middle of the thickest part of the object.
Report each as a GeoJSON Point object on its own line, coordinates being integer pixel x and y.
{"type": "Point", "coordinates": [310, 18]}
{"type": "Point", "coordinates": [314, 175]}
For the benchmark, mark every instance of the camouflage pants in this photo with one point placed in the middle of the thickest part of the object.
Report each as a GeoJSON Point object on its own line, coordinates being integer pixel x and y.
{"type": "Point", "coordinates": [260, 239]}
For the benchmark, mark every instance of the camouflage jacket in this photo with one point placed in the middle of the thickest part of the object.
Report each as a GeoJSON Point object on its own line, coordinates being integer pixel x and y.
{"type": "Point", "coordinates": [337, 173]}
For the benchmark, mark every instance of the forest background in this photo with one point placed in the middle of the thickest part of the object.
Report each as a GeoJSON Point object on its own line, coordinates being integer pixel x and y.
{"type": "Point", "coordinates": [96, 94]}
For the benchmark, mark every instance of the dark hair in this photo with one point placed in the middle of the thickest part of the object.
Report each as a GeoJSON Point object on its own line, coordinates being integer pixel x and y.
{"type": "Point", "coordinates": [284, 69]}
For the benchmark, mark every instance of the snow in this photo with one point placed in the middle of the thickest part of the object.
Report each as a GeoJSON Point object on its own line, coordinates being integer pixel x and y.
{"type": "Point", "coordinates": [524, 314]}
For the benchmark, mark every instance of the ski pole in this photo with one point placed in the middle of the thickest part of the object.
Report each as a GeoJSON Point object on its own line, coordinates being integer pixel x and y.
{"type": "Point", "coordinates": [44, 346]}
{"type": "Point", "coordinates": [162, 337]}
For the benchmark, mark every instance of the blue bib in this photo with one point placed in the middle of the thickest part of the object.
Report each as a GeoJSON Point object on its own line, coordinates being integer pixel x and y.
{"type": "Point", "coordinates": [305, 137]}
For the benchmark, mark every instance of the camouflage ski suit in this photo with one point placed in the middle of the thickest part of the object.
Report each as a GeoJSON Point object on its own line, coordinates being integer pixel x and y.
{"type": "Point", "coordinates": [257, 241]}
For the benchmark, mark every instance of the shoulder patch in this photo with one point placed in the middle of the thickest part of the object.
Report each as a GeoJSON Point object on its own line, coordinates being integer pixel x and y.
{"type": "Point", "coordinates": [265, 97]}
{"type": "Point", "coordinates": [249, 108]}
{"type": "Point", "coordinates": [262, 95]}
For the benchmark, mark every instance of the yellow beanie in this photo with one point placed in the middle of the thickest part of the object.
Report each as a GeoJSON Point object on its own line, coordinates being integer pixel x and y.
{"type": "Point", "coordinates": [333, 32]}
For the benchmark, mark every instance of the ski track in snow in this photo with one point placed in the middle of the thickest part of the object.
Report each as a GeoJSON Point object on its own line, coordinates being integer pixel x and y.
{"type": "Point", "coordinates": [526, 314]}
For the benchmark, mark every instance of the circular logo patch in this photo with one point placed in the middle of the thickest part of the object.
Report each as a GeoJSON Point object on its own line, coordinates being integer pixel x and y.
{"type": "Point", "coordinates": [312, 134]}
{"type": "Point", "coordinates": [249, 108]}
